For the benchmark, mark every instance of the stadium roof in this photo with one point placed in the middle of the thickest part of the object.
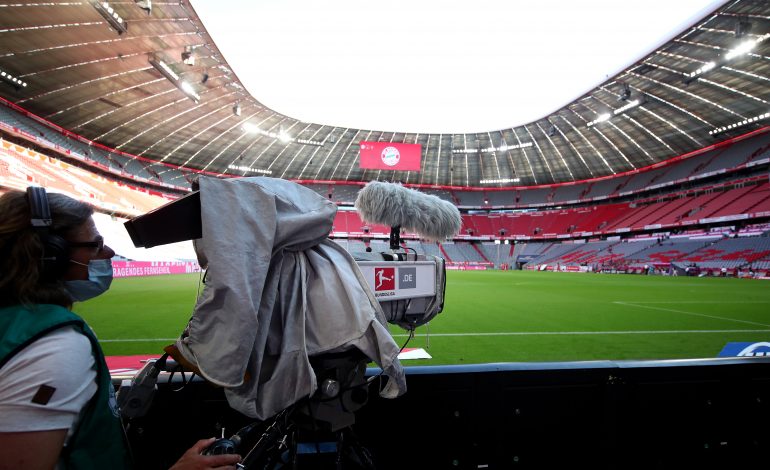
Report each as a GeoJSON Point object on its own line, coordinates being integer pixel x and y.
{"type": "Point", "coordinates": [132, 91]}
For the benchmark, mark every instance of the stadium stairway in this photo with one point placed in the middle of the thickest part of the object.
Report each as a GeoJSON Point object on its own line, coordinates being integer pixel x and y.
{"type": "Point", "coordinates": [481, 253]}
{"type": "Point", "coordinates": [443, 253]}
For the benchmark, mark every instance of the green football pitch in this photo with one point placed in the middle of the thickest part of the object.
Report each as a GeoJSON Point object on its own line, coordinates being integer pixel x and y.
{"type": "Point", "coordinates": [501, 316]}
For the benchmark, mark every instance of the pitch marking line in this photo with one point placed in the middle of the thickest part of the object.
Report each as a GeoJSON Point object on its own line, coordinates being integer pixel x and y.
{"type": "Point", "coordinates": [517, 333]}
{"type": "Point", "coordinates": [135, 340]}
{"type": "Point", "coordinates": [579, 333]}
{"type": "Point", "coordinates": [697, 302]}
{"type": "Point", "coordinates": [637, 304]}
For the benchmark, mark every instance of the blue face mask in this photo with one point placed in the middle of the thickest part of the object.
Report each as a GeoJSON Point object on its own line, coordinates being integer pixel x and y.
{"type": "Point", "coordinates": [99, 280]}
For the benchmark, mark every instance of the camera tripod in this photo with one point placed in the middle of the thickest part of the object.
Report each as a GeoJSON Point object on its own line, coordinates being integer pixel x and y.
{"type": "Point", "coordinates": [315, 432]}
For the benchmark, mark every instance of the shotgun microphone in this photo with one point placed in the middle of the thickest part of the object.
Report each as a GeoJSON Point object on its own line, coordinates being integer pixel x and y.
{"type": "Point", "coordinates": [396, 206]}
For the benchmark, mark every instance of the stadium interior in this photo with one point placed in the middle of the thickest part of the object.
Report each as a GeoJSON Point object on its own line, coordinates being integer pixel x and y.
{"type": "Point", "coordinates": [661, 170]}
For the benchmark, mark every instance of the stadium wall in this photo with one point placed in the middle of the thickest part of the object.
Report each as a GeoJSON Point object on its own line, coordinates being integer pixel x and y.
{"type": "Point", "coordinates": [677, 414]}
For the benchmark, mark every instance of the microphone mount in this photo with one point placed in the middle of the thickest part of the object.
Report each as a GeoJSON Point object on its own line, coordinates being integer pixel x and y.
{"type": "Point", "coordinates": [395, 237]}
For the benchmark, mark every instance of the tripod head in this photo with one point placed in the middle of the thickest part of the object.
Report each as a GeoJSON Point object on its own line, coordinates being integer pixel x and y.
{"type": "Point", "coordinates": [342, 391]}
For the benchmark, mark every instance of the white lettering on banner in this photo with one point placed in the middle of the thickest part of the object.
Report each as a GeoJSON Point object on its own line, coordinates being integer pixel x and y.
{"type": "Point", "coordinates": [147, 268]}
{"type": "Point", "coordinates": [141, 271]}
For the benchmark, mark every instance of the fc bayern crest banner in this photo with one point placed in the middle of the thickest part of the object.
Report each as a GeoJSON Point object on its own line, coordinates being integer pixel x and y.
{"type": "Point", "coordinates": [390, 156]}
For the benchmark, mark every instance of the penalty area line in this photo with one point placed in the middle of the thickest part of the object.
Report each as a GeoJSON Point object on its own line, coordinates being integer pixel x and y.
{"type": "Point", "coordinates": [694, 314]}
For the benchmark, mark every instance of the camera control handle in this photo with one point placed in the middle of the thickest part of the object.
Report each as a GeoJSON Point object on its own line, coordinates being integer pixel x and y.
{"type": "Point", "coordinates": [220, 447]}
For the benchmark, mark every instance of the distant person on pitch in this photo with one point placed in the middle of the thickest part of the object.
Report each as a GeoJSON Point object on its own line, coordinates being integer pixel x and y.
{"type": "Point", "coordinates": [57, 404]}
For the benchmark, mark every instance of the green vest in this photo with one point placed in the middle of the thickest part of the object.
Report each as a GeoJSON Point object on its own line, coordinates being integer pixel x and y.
{"type": "Point", "coordinates": [98, 440]}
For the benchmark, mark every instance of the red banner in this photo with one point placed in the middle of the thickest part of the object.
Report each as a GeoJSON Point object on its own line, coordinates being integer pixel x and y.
{"type": "Point", "coordinates": [390, 156]}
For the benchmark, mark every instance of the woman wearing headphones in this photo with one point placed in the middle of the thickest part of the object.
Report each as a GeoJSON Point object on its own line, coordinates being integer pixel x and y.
{"type": "Point", "coordinates": [57, 403]}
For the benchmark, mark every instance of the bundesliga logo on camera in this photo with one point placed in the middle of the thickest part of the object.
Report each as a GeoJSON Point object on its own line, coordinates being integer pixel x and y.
{"type": "Point", "coordinates": [390, 156]}
{"type": "Point", "coordinates": [384, 279]}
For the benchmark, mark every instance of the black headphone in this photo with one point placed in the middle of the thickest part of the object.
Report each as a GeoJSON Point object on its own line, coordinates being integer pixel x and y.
{"type": "Point", "coordinates": [55, 259]}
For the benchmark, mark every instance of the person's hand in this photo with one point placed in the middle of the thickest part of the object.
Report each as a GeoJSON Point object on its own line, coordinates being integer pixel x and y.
{"type": "Point", "coordinates": [193, 460]}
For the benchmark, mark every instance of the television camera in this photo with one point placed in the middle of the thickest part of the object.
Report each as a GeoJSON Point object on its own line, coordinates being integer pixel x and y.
{"type": "Point", "coordinates": [408, 287]}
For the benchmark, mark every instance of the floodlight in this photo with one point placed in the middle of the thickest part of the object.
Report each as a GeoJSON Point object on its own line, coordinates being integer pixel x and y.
{"type": "Point", "coordinates": [173, 77]}
{"type": "Point", "coordinates": [499, 181]}
{"type": "Point", "coordinates": [600, 118]}
{"type": "Point", "coordinates": [642, 99]}
{"type": "Point", "coordinates": [491, 149]}
{"type": "Point", "coordinates": [111, 16]}
{"type": "Point", "coordinates": [729, 127]}
{"type": "Point", "coordinates": [11, 80]}
{"type": "Point", "coordinates": [282, 135]}
{"type": "Point", "coordinates": [249, 169]}
{"type": "Point", "coordinates": [741, 49]}
{"type": "Point", "coordinates": [189, 91]}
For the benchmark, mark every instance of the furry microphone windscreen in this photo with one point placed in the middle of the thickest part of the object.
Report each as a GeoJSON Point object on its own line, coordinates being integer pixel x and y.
{"type": "Point", "coordinates": [394, 205]}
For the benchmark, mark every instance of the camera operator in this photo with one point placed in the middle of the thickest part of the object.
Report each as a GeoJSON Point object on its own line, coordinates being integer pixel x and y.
{"type": "Point", "coordinates": [57, 403]}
